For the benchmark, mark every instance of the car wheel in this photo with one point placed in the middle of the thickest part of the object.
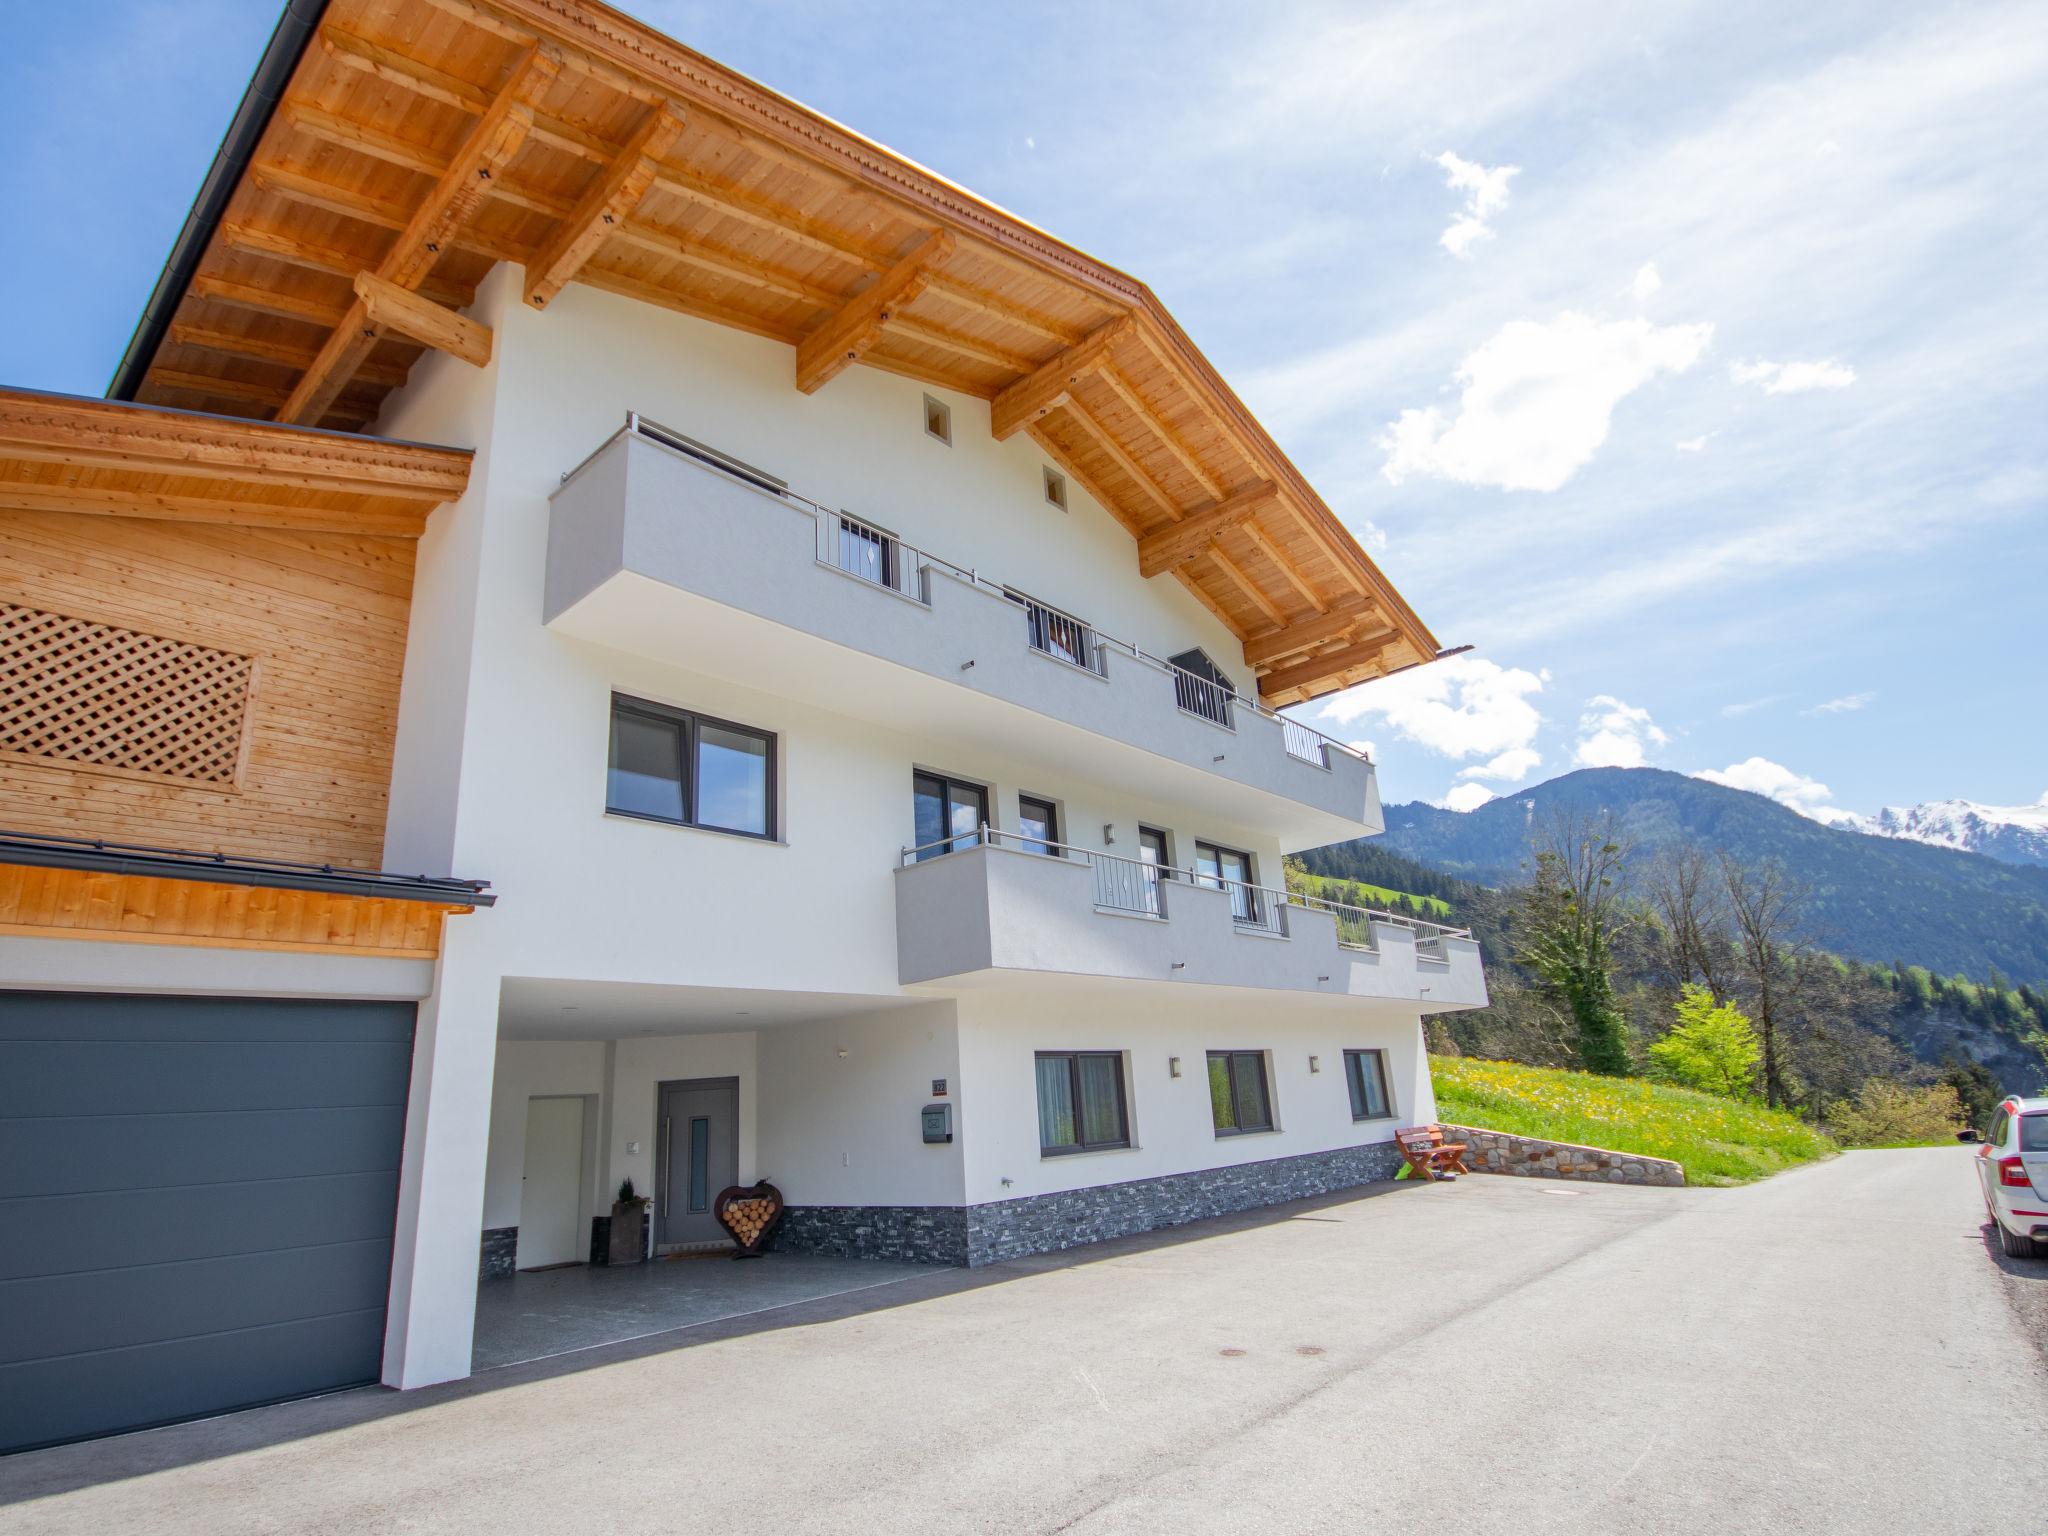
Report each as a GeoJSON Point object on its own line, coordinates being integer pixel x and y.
{"type": "Point", "coordinates": [2015, 1245]}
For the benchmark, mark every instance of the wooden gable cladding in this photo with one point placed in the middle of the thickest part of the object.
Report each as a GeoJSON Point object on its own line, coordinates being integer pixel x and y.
{"type": "Point", "coordinates": [419, 142]}
{"type": "Point", "coordinates": [41, 902]}
{"type": "Point", "coordinates": [156, 540]}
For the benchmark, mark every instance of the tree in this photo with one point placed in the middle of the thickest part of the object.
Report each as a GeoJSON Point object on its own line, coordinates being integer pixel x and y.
{"type": "Point", "coordinates": [1889, 1114]}
{"type": "Point", "coordinates": [1712, 1047]}
{"type": "Point", "coordinates": [1688, 899]}
{"type": "Point", "coordinates": [1765, 907]}
{"type": "Point", "coordinates": [1976, 1088]}
{"type": "Point", "coordinates": [1565, 922]}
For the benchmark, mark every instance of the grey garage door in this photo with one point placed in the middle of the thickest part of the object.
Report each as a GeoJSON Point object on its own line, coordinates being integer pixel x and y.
{"type": "Point", "coordinates": [196, 1204]}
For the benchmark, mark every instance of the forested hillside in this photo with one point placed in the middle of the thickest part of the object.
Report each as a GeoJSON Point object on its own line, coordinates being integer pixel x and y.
{"type": "Point", "coordinates": [1871, 898]}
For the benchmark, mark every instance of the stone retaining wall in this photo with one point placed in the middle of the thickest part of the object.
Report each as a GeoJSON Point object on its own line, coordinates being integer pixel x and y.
{"type": "Point", "coordinates": [1526, 1157]}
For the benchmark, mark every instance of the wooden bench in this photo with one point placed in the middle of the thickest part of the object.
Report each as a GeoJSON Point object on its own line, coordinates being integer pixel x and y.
{"type": "Point", "coordinates": [1428, 1154]}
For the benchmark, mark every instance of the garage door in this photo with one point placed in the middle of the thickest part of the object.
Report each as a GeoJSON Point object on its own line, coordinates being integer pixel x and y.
{"type": "Point", "coordinates": [196, 1204]}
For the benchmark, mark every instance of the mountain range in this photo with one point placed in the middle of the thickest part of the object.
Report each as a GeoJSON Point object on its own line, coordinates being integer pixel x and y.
{"type": "Point", "coordinates": [1897, 896]}
{"type": "Point", "coordinates": [2013, 834]}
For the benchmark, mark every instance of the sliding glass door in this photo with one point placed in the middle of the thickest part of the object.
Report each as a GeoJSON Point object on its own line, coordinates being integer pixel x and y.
{"type": "Point", "coordinates": [950, 814]}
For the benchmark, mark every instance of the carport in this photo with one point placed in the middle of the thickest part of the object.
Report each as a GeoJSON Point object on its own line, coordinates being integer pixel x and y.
{"type": "Point", "coordinates": [533, 1314]}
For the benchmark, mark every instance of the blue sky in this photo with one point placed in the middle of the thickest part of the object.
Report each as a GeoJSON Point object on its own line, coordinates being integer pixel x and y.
{"type": "Point", "coordinates": [1718, 426]}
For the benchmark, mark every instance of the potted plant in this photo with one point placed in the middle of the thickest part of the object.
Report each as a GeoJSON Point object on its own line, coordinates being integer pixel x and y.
{"type": "Point", "coordinates": [629, 1227]}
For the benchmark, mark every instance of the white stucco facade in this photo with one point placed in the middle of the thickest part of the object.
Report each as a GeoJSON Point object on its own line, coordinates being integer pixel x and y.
{"type": "Point", "coordinates": [625, 954]}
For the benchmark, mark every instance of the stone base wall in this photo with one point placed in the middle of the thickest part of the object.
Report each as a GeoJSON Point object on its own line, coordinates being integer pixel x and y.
{"type": "Point", "coordinates": [1010, 1229]}
{"type": "Point", "coordinates": [927, 1234]}
{"type": "Point", "coordinates": [1527, 1157]}
{"type": "Point", "coordinates": [500, 1256]}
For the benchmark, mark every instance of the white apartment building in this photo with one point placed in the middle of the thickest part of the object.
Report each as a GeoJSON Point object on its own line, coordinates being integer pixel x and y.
{"type": "Point", "coordinates": [877, 774]}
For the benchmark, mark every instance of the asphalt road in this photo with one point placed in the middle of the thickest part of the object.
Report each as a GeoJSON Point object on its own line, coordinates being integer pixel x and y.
{"type": "Point", "coordinates": [1837, 1349]}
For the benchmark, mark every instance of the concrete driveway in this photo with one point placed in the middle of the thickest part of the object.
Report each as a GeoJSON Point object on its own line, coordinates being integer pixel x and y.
{"type": "Point", "coordinates": [1837, 1349]}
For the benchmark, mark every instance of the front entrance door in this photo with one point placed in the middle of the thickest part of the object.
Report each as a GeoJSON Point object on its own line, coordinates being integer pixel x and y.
{"type": "Point", "coordinates": [700, 1155]}
{"type": "Point", "coordinates": [551, 1183]}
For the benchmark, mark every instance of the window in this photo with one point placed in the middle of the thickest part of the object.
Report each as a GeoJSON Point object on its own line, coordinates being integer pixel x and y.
{"type": "Point", "coordinates": [1058, 634]}
{"type": "Point", "coordinates": [671, 765]}
{"type": "Point", "coordinates": [1237, 1092]}
{"type": "Point", "coordinates": [938, 420]}
{"type": "Point", "coordinates": [1039, 823]}
{"type": "Point", "coordinates": [949, 814]}
{"type": "Point", "coordinates": [1081, 1102]}
{"type": "Point", "coordinates": [1366, 1072]}
{"type": "Point", "coordinates": [1228, 869]}
{"type": "Point", "coordinates": [1055, 487]}
{"type": "Point", "coordinates": [1152, 854]}
{"type": "Point", "coordinates": [1200, 688]}
{"type": "Point", "coordinates": [2034, 1133]}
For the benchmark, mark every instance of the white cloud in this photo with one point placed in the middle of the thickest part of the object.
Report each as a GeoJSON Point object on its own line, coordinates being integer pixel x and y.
{"type": "Point", "coordinates": [1695, 444]}
{"type": "Point", "coordinates": [1647, 281]}
{"type": "Point", "coordinates": [1538, 401]}
{"type": "Point", "coordinates": [1731, 711]}
{"type": "Point", "coordinates": [1616, 735]}
{"type": "Point", "coordinates": [1466, 797]}
{"type": "Point", "coordinates": [1792, 378]}
{"type": "Point", "coordinates": [1841, 706]}
{"type": "Point", "coordinates": [1513, 765]}
{"type": "Point", "coordinates": [1462, 706]}
{"type": "Point", "coordinates": [1774, 781]}
{"type": "Point", "coordinates": [1486, 193]}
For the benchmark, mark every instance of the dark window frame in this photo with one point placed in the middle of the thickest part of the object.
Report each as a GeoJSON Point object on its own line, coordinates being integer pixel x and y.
{"type": "Point", "coordinates": [1245, 889]}
{"type": "Point", "coordinates": [690, 723]}
{"type": "Point", "coordinates": [1073, 1059]}
{"type": "Point", "coordinates": [1354, 1084]}
{"type": "Point", "coordinates": [1230, 1059]}
{"type": "Point", "coordinates": [947, 782]}
{"type": "Point", "coordinates": [1050, 844]}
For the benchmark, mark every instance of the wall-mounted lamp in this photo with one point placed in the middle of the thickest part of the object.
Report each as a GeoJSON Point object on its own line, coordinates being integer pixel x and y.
{"type": "Point", "coordinates": [965, 665]}
{"type": "Point", "coordinates": [1315, 1063]}
{"type": "Point", "coordinates": [1322, 978]}
{"type": "Point", "coordinates": [1108, 834]}
{"type": "Point", "coordinates": [1173, 1066]}
{"type": "Point", "coordinates": [1218, 757]}
{"type": "Point", "coordinates": [1181, 965]}
{"type": "Point", "coordinates": [842, 1053]}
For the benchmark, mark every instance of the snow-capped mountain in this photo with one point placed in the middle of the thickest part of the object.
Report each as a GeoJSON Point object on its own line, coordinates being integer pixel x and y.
{"type": "Point", "coordinates": [2015, 834]}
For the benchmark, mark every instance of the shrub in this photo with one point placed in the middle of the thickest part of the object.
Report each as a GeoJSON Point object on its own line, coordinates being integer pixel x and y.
{"type": "Point", "coordinates": [1889, 1114]}
{"type": "Point", "coordinates": [1712, 1047]}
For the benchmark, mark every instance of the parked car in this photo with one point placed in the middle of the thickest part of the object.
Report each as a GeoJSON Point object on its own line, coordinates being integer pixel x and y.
{"type": "Point", "coordinates": [2013, 1165]}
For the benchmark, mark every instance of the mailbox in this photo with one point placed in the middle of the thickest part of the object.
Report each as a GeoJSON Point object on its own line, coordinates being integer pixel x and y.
{"type": "Point", "coordinates": [938, 1124]}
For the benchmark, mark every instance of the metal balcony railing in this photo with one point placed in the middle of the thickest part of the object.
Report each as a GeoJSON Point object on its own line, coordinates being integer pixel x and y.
{"type": "Point", "coordinates": [1139, 886]}
{"type": "Point", "coordinates": [862, 550]}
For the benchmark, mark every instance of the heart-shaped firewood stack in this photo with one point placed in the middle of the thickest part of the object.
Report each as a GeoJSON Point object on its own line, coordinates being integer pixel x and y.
{"type": "Point", "coordinates": [749, 1214]}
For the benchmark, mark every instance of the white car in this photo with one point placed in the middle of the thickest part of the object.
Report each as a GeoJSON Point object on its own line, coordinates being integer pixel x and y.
{"type": "Point", "coordinates": [2013, 1165]}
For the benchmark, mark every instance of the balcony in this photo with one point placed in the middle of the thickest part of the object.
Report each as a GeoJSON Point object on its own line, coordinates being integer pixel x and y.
{"type": "Point", "coordinates": [995, 905]}
{"type": "Point", "coordinates": [664, 548]}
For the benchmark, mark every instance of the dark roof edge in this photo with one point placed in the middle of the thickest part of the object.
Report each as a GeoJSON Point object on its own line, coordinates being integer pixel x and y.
{"type": "Point", "coordinates": [229, 869]}
{"type": "Point", "coordinates": [294, 30]}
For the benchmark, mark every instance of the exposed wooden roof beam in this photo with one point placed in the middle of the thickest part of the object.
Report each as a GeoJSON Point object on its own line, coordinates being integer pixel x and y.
{"type": "Point", "coordinates": [237, 511]}
{"type": "Point", "coordinates": [839, 342]}
{"type": "Point", "coordinates": [769, 217]}
{"type": "Point", "coordinates": [967, 296]}
{"type": "Point", "coordinates": [1113, 376]}
{"type": "Point", "coordinates": [186, 334]}
{"type": "Point", "coordinates": [1306, 634]}
{"type": "Point", "coordinates": [218, 388]}
{"type": "Point", "coordinates": [615, 193]}
{"type": "Point", "coordinates": [1162, 551]}
{"type": "Point", "coordinates": [597, 275]}
{"type": "Point", "coordinates": [1111, 449]}
{"type": "Point", "coordinates": [1306, 675]}
{"type": "Point", "coordinates": [726, 264]}
{"type": "Point", "coordinates": [493, 140]}
{"type": "Point", "coordinates": [1243, 582]}
{"type": "Point", "coordinates": [910, 328]}
{"type": "Point", "coordinates": [1297, 578]}
{"type": "Point", "coordinates": [1049, 386]}
{"type": "Point", "coordinates": [347, 133]}
{"type": "Point", "coordinates": [1079, 474]}
{"type": "Point", "coordinates": [392, 308]}
{"type": "Point", "coordinates": [225, 290]}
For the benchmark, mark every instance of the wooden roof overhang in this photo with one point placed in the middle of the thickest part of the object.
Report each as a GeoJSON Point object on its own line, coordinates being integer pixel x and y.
{"type": "Point", "coordinates": [75, 888]}
{"type": "Point", "coordinates": [60, 453]}
{"type": "Point", "coordinates": [417, 143]}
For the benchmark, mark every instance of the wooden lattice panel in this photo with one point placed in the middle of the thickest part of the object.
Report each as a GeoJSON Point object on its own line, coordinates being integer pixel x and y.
{"type": "Point", "coordinates": [104, 697]}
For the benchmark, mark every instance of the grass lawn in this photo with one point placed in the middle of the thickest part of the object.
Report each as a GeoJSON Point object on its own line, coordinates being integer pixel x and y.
{"type": "Point", "coordinates": [1716, 1140]}
{"type": "Point", "coordinates": [1329, 888]}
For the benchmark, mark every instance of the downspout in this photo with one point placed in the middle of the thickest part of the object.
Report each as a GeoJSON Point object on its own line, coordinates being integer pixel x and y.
{"type": "Point", "coordinates": [287, 45]}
